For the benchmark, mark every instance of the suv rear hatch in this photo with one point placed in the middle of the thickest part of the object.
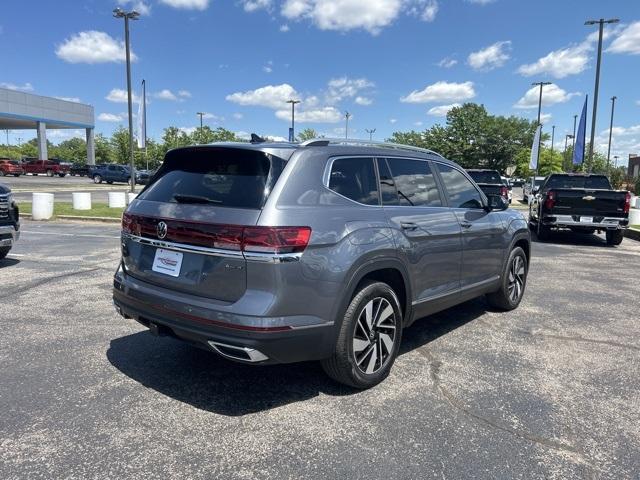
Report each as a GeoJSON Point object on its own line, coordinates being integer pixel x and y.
{"type": "Point", "coordinates": [187, 229]}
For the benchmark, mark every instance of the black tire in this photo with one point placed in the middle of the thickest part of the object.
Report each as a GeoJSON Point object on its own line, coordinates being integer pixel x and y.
{"type": "Point", "coordinates": [614, 237]}
{"type": "Point", "coordinates": [109, 182]}
{"type": "Point", "coordinates": [513, 282]}
{"type": "Point", "coordinates": [348, 365]}
{"type": "Point", "coordinates": [4, 252]}
{"type": "Point", "coordinates": [97, 179]}
{"type": "Point", "coordinates": [16, 175]}
{"type": "Point", "coordinates": [543, 232]}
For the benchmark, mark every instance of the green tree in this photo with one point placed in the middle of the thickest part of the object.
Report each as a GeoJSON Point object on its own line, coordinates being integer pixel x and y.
{"type": "Point", "coordinates": [119, 143]}
{"type": "Point", "coordinates": [307, 134]}
{"type": "Point", "coordinates": [104, 151]}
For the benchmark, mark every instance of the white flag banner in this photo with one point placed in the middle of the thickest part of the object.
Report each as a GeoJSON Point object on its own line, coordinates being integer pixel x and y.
{"type": "Point", "coordinates": [533, 163]}
{"type": "Point", "coordinates": [142, 118]}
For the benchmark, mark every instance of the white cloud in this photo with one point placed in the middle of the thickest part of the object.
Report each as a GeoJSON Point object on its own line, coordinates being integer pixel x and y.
{"type": "Point", "coordinates": [628, 41]}
{"type": "Point", "coordinates": [92, 47]}
{"type": "Point", "coordinates": [117, 95]}
{"type": "Point", "coordinates": [165, 94]}
{"type": "Point", "coordinates": [491, 57]}
{"type": "Point", "coordinates": [274, 138]}
{"type": "Point", "coordinates": [545, 118]}
{"type": "Point", "coordinates": [184, 93]}
{"type": "Point", "coordinates": [271, 96]}
{"type": "Point", "coordinates": [369, 15]}
{"type": "Point", "coordinates": [187, 130]}
{"type": "Point", "coordinates": [69, 99]}
{"type": "Point", "coordinates": [393, 121]}
{"type": "Point", "coordinates": [238, 116]}
{"type": "Point", "coordinates": [111, 117]}
{"type": "Point", "coordinates": [211, 116]}
{"type": "Point", "coordinates": [441, 110]}
{"type": "Point", "coordinates": [65, 134]}
{"type": "Point", "coordinates": [187, 4]}
{"type": "Point", "coordinates": [364, 101]}
{"type": "Point", "coordinates": [284, 28]}
{"type": "Point", "coordinates": [418, 123]}
{"type": "Point", "coordinates": [267, 69]}
{"type": "Point", "coordinates": [27, 87]}
{"type": "Point", "coordinates": [561, 63]}
{"type": "Point", "coordinates": [551, 94]}
{"type": "Point", "coordinates": [441, 92]}
{"type": "Point", "coordinates": [138, 5]}
{"type": "Point", "coordinates": [253, 5]}
{"type": "Point", "coordinates": [319, 115]}
{"type": "Point", "coordinates": [447, 62]}
{"type": "Point", "coordinates": [480, 2]}
{"type": "Point", "coordinates": [344, 87]}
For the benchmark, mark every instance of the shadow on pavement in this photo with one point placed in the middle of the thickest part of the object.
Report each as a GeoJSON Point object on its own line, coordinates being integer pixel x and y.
{"type": "Point", "coordinates": [211, 383]}
{"type": "Point", "coordinates": [9, 262]}
{"type": "Point", "coordinates": [567, 237]}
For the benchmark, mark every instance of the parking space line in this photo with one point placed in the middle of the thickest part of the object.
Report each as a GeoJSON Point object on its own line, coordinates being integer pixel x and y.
{"type": "Point", "coordinates": [70, 234]}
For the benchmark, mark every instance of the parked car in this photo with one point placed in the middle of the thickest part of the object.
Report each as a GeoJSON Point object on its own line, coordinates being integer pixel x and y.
{"type": "Point", "coordinates": [48, 167]}
{"type": "Point", "coordinates": [531, 187]}
{"type": "Point", "coordinates": [9, 221]}
{"type": "Point", "coordinates": [490, 182]}
{"type": "Point", "coordinates": [111, 173]}
{"type": "Point", "coordinates": [143, 176]}
{"type": "Point", "coordinates": [582, 203]}
{"type": "Point", "coordinates": [507, 183]}
{"type": "Point", "coordinates": [80, 170]}
{"type": "Point", "coordinates": [10, 167]}
{"type": "Point", "coordinates": [281, 252]}
{"type": "Point", "coordinates": [517, 182]}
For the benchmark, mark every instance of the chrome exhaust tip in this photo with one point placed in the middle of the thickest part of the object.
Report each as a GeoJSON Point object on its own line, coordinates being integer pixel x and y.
{"type": "Point", "coordinates": [243, 354]}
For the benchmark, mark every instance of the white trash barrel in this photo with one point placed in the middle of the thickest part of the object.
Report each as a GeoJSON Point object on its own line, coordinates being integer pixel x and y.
{"type": "Point", "coordinates": [637, 202]}
{"type": "Point", "coordinates": [131, 197]}
{"type": "Point", "coordinates": [81, 200]}
{"type": "Point", "coordinates": [117, 199]}
{"type": "Point", "coordinates": [634, 216]}
{"type": "Point", "coordinates": [42, 206]}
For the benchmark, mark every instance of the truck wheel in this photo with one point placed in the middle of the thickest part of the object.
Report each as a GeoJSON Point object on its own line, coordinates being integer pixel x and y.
{"type": "Point", "coordinates": [16, 175]}
{"type": "Point", "coordinates": [614, 237]}
{"type": "Point", "coordinates": [49, 173]}
{"type": "Point", "coordinates": [97, 179]}
{"type": "Point", "coordinates": [514, 280]}
{"type": "Point", "coordinates": [369, 338]}
{"type": "Point", "coordinates": [4, 252]}
{"type": "Point", "coordinates": [62, 175]}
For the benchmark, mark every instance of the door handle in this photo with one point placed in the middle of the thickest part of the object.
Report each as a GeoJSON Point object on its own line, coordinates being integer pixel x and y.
{"type": "Point", "coordinates": [465, 224]}
{"type": "Point", "coordinates": [409, 226]}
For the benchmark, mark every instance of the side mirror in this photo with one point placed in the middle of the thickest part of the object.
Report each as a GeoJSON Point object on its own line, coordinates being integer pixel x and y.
{"type": "Point", "coordinates": [497, 202]}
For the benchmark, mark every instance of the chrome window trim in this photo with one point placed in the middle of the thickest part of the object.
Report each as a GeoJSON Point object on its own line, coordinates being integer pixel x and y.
{"type": "Point", "coordinates": [326, 176]}
{"type": "Point", "coordinates": [483, 197]}
{"type": "Point", "coordinates": [265, 257]}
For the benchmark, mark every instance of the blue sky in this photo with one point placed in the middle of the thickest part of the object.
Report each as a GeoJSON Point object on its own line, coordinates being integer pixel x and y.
{"type": "Point", "coordinates": [393, 64]}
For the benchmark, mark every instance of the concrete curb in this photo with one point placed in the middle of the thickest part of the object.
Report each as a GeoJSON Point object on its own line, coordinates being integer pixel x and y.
{"type": "Point", "coordinates": [76, 217]}
{"type": "Point", "coordinates": [632, 233]}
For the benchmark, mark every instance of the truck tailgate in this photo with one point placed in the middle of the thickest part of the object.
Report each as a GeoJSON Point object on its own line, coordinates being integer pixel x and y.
{"type": "Point", "coordinates": [594, 203]}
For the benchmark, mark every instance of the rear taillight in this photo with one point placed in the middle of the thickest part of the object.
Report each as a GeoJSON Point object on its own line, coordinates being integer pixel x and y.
{"type": "Point", "coordinates": [627, 202]}
{"type": "Point", "coordinates": [226, 237]}
{"type": "Point", "coordinates": [504, 191]}
{"type": "Point", "coordinates": [275, 239]}
{"type": "Point", "coordinates": [550, 200]}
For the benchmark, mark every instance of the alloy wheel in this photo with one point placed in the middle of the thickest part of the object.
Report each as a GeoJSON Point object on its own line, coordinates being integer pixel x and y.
{"type": "Point", "coordinates": [516, 278]}
{"type": "Point", "coordinates": [374, 336]}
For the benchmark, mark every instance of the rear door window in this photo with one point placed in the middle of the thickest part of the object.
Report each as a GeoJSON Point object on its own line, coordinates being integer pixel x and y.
{"type": "Point", "coordinates": [461, 192]}
{"type": "Point", "coordinates": [221, 177]}
{"type": "Point", "coordinates": [355, 178]}
{"type": "Point", "coordinates": [487, 176]}
{"type": "Point", "coordinates": [414, 182]}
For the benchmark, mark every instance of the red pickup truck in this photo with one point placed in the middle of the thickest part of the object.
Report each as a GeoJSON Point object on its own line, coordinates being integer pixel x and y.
{"type": "Point", "coordinates": [10, 167]}
{"type": "Point", "coordinates": [49, 167]}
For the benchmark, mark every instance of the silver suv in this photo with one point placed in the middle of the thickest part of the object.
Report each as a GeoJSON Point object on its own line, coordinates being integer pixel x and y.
{"type": "Point", "coordinates": [325, 250]}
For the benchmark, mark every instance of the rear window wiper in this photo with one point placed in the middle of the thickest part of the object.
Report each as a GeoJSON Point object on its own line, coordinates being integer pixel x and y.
{"type": "Point", "coordinates": [180, 198]}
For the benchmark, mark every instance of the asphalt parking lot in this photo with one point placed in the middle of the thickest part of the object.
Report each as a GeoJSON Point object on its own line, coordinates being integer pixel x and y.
{"type": "Point", "coordinates": [551, 390]}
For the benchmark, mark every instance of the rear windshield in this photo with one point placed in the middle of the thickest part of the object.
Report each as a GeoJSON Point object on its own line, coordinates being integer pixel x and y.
{"type": "Point", "coordinates": [569, 181]}
{"type": "Point", "coordinates": [539, 181]}
{"type": "Point", "coordinates": [485, 177]}
{"type": "Point", "coordinates": [219, 177]}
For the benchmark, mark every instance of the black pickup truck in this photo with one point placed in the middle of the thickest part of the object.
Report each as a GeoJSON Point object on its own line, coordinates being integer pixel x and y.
{"type": "Point", "coordinates": [9, 221]}
{"type": "Point", "coordinates": [490, 182]}
{"type": "Point", "coordinates": [582, 203]}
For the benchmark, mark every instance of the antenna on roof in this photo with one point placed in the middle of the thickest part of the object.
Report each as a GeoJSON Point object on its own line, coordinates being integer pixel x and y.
{"type": "Point", "coordinates": [257, 138]}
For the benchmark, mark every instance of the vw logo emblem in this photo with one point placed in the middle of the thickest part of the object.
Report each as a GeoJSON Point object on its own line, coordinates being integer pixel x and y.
{"type": "Point", "coordinates": [161, 230]}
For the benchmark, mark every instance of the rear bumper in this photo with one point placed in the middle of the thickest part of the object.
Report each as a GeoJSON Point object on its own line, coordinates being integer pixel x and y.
{"type": "Point", "coordinates": [9, 235]}
{"type": "Point", "coordinates": [244, 338]}
{"type": "Point", "coordinates": [599, 223]}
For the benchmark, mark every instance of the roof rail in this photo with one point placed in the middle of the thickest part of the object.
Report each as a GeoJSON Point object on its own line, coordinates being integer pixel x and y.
{"type": "Point", "coordinates": [323, 142]}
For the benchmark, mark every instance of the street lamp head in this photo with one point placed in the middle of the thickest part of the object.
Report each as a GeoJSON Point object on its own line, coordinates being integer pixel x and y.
{"type": "Point", "coordinates": [119, 13]}
{"type": "Point", "coordinates": [602, 20]}
{"type": "Point", "coordinates": [294, 102]}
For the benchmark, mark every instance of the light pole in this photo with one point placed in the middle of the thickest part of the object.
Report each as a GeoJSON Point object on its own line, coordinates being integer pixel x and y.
{"type": "Point", "coordinates": [347, 115]}
{"type": "Point", "coordinates": [200, 114]}
{"type": "Point", "coordinates": [573, 143]}
{"type": "Point", "coordinates": [541, 84]}
{"type": "Point", "coordinates": [564, 155]}
{"type": "Point", "coordinates": [292, 133]}
{"type": "Point", "coordinates": [132, 15]}
{"type": "Point", "coordinates": [553, 134]}
{"type": "Point", "coordinates": [7, 132]}
{"type": "Point", "coordinates": [601, 24]}
{"type": "Point", "coordinates": [370, 132]}
{"type": "Point", "coordinates": [613, 106]}
{"type": "Point", "coordinates": [615, 157]}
